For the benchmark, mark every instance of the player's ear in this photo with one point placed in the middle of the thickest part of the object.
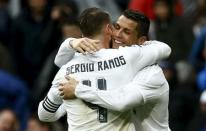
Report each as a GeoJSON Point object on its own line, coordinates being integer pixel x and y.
{"type": "Point", "coordinates": [141, 40]}
{"type": "Point", "coordinates": [109, 29]}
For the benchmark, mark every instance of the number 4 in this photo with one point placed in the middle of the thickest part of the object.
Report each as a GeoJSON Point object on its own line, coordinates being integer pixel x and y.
{"type": "Point", "coordinates": [102, 112]}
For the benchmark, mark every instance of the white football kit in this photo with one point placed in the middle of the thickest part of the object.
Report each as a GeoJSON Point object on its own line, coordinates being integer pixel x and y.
{"type": "Point", "coordinates": [147, 95]}
{"type": "Point", "coordinates": [105, 70]}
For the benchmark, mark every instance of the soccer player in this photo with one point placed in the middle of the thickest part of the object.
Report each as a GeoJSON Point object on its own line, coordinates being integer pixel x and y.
{"type": "Point", "coordinates": [102, 70]}
{"type": "Point", "coordinates": [147, 94]}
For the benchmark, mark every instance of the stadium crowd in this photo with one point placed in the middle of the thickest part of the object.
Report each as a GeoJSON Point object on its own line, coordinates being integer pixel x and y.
{"type": "Point", "coordinates": [31, 32]}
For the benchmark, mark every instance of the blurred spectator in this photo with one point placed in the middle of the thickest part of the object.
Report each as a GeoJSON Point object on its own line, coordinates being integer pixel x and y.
{"type": "Point", "coordinates": [172, 30]}
{"type": "Point", "coordinates": [185, 72]}
{"type": "Point", "coordinates": [14, 8]}
{"type": "Point", "coordinates": [33, 38]}
{"type": "Point", "coordinates": [196, 57]}
{"type": "Point", "coordinates": [13, 91]}
{"type": "Point", "coordinates": [65, 16]}
{"type": "Point", "coordinates": [34, 124]}
{"type": "Point", "coordinates": [14, 94]}
{"type": "Point", "coordinates": [70, 29]}
{"type": "Point", "coordinates": [8, 121]}
{"type": "Point", "coordinates": [43, 83]}
{"type": "Point", "coordinates": [107, 5]}
{"type": "Point", "coordinates": [122, 4]}
{"type": "Point", "coordinates": [200, 17]}
{"type": "Point", "coordinates": [199, 121]}
{"type": "Point", "coordinates": [146, 6]}
{"type": "Point", "coordinates": [64, 10]}
{"type": "Point", "coordinates": [183, 96]}
{"type": "Point", "coordinates": [189, 8]}
{"type": "Point", "coordinates": [177, 7]}
{"type": "Point", "coordinates": [170, 73]}
{"type": "Point", "coordinates": [201, 78]}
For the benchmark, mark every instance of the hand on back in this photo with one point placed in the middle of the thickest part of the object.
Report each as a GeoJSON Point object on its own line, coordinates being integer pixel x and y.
{"type": "Point", "coordinates": [84, 45]}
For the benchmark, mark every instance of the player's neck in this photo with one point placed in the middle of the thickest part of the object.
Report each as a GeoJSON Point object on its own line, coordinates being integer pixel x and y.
{"type": "Point", "coordinates": [101, 39]}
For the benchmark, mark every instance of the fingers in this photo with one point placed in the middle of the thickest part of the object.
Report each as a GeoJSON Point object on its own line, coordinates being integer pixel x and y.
{"type": "Point", "coordinates": [92, 44]}
{"type": "Point", "coordinates": [61, 88]}
{"type": "Point", "coordinates": [87, 47]}
{"type": "Point", "coordinates": [84, 45]}
{"type": "Point", "coordinates": [80, 50]}
{"type": "Point", "coordinates": [61, 93]}
{"type": "Point", "coordinates": [67, 77]}
{"type": "Point", "coordinates": [70, 80]}
{"type": "Point", "coordinates": [61, 84]}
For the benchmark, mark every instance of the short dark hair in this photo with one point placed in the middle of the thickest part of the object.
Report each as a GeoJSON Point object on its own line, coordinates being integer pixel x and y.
{"type": "Point", "coordinates": [91, 21]}
{"type": "Point", "coordinates": [142, 21]}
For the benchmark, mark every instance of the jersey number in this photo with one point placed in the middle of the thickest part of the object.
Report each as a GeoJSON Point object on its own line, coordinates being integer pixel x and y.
{"type": "Point", "coordinates": [102, 112]}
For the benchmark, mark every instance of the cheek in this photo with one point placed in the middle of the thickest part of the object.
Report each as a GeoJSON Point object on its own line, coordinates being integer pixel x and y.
{"type": "Point", "coordinates": [114, 32]}
{"type": "Point", "coordinates": [133, 39]}
{"type": "Point", "coordinates": [125, 36]}
{"type": "Point", "coordinates": [127, 39]}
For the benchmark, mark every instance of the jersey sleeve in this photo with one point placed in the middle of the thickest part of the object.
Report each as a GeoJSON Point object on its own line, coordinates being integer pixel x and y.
{"type": "Point", "coordinates": [50, 109]}
{"type": "Point", "coordinates": [148, 54]}
{"type": "Point", "coordinates": [47, 116]}
{"type": "Point", "coordinates": [65, 53]}
{"type": "Point", "coordinates": [136, 93]}
{"type": "Point", "coordinates": [160, 49]}
{"type": "Point", "coordinates": [117, 100]}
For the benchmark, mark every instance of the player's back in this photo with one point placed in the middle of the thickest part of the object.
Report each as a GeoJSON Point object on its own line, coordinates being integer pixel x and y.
{"type": "Point", "coordinates": [106, 70]}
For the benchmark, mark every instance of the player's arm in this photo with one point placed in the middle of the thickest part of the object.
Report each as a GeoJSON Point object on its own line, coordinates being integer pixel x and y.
{"type": "Point", "coordinates": [65, 53]}
{"type": "Point", "coordinates": [161, 50]}
{"type": "Point", "coordinates": [71, 45]}
{"type": "Point", "coordinates": [148, 54]}
{"type": "Point", "coordinates": [119, 99]}
{"type": "Point", "coordinates": [51, 108]}
{"type": "Point", "coordinates": [143, 88]}
{"type": "Point", "coordinates": [47, 116]}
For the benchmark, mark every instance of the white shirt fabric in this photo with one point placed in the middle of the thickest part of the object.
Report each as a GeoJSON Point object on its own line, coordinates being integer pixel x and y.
{"type": "Point", "coordinates": [147, 94]}
{"type": "Point", "coordinates": [66, 52]}
{"type": "Point", "coordinates": [130, 60]}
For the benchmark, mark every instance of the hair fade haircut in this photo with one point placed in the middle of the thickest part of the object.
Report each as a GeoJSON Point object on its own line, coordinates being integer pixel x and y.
{"type": "Point", "coordinates": [143, 22]}
{"type": "Point", "coordinates": [92, 20]}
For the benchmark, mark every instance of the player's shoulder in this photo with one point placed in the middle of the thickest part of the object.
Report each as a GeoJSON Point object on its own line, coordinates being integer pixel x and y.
{"type": "Point", "coordinates": [151, 75]}
{"type": "Point", "coordinates": [129, 47]}
{"type": "Point", "coordinates": [104, 53]}
{"type": "Point", "coordinates": [120, 49]}
{"type": "Point", "coordinates": [156, 75]}
{"type": "Point", "coordinates": [132, 50]}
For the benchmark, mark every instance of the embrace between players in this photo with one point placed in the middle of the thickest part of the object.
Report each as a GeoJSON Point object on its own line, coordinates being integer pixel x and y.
{"type": "Point", "coordinates": [117, 89]}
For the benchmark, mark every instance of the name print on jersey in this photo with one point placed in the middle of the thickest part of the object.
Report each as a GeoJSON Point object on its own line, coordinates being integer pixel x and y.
{"type": "Point", "coordinates": [99, 66]}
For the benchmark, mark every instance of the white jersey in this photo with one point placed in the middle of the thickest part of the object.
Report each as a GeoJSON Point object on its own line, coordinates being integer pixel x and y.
{"type": "Point", "coordinates": [152, 115]}
{"type": "Point", "coordinates": [106, 70]}
{"type": "Point", "coordinates": [147, 95]}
